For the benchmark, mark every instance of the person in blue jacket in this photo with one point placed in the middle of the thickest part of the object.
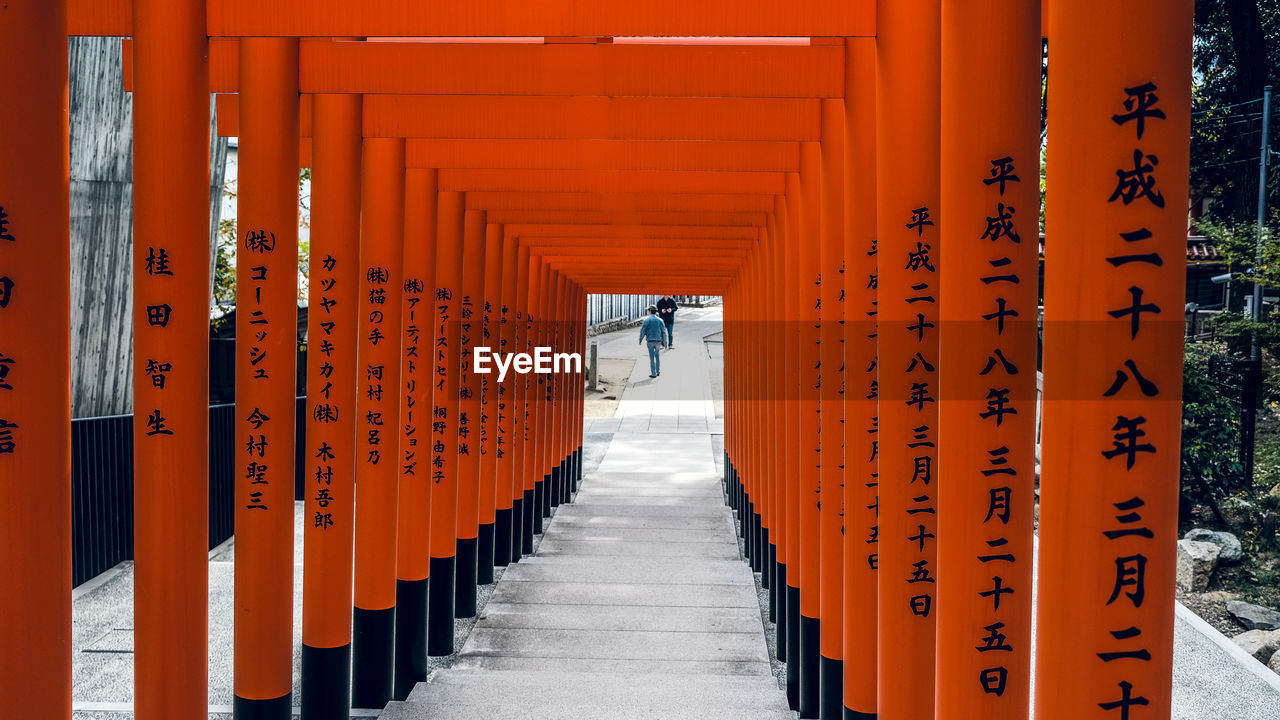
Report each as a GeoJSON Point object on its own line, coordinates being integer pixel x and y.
{"type": "Point", "coordinates": [654, 331]}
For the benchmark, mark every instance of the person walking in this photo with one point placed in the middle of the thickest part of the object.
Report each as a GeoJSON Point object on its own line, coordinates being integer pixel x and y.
{"type": "Point", "coordinates": [667, 313]}
{"type": "Point", "coordinates": [654, 332]}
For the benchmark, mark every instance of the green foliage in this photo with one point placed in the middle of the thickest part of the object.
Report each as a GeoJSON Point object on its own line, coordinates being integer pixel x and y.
{"type": "Point", "coordinates": [1210, 427]}
{"type": "Point", "coordinates": [1239, 332]}
{"type": "Point", "coordinates": [1236, 52]}
{"type": "Point", "coordinates": [1237, 242]}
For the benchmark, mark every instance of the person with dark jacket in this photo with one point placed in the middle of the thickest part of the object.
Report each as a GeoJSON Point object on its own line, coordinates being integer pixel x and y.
{"type": "Point", "coordinates": [654, 333]}
{"type": "Point", "coordinates": [667, 313]}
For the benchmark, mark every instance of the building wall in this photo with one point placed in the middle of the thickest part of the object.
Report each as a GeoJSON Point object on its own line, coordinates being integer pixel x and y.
{"type": "Point", "coordinates": [102, 227]}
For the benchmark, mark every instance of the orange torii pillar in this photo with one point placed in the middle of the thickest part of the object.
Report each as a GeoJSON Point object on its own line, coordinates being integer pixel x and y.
{"type": "Point", "coordinates": [537, 426]}
{"type": "Point", "coordinates": [524, 396]}
{"type": "Point", "coordinates": [751, 509]}
{"type": "Point", "coordinates": [560, 388]}
{"type": "Point", "coordinates": [861, 520]}
{"type": "Point", "coordinates": [35, 373]}
{"type": "Point", "coordinates": [794, 378]}
{"type": "Point", "coordinates": [378, 361]}
{"type": "Point", "coordinates": [831, 329]}
{"type": "Point", "coordinates": [771, 386]}
{"type": "Point", "coordinates": [510, 493]}
{"type": "Point", "coordinates": [1112, 357]}
{"type": "Point", "coordinates": [171, 360]}
{"type": "Point", "coordinates": [488, 419]}
{"type": "Point", "coordinates": [907, 81]}
{"type": "Point", "coordinates": [580, 394]}
{"type": "Point", "coordinates": [413, 544]}
{"type": "Point", "coordinates": [329, 481]}
{"type": "Point", "coordinates": [468, 440]}
{"type": "Point", "coordinates": [266, 364]}
{"type": "Point", "coordinates": [789, 429]}
{"type": "Point", "coordinates": [808, 220]}
{"type": "Point", "coordinates": [444, 425]}
{"type": "Point", "coordinates": [988, 340]}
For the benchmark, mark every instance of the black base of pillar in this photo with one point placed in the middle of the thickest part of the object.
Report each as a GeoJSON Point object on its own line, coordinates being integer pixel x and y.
{"type": "Point", "coordinates": [761, 543]}
{"type": "Point", "coordinates": [793, 647]}
{"type": "Point", "coordinates": [749, 536]}
{"type": "Point", "coordinates": [554, 491]}
{"type": "Point", "coordinates": [484, 562]}
{"type": "Point", "coordinates": [502, 537]}
{"type": "Point", "coordinates": [857, 715]}
{"type": "Point", "coordinates": [830, 688]}
{"type": "Point", "coordinates": [411, 636]}
{"type": "Point", "coordinates": [539, 497]}
{"type": "Point", "coordinates": [810, 677]}
{"type": "Point", "coordinates": [577, 478]}
{"type": "Point", "coordinates": [766, 565]}
{"type": "Point", "coordinates": [326, 682]}
{"type": "Point", "coordinates": [440, 607]}
{"type": "Point", "coordinates": [773, 593]}
{"type": "Point", "coordinates": [757, 541]}
{"type": "Point", "coordinates": [531, 527]}
{"type": "Point", "coordinates": [546, 496]}
{"type": "Point", "coordinates": [280, 708]}
{"type": "Point", "coordinates": [517, 530]}
{"type": "Point", "coordinates": [373, 636]}
{"type": "Point", "coordinates": [780, 574]}
{"type": "Point", "coordinates": [464, 589]}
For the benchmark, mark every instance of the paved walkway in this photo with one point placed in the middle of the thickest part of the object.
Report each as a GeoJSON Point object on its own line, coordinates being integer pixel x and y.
{"type": "Point", "coordinates": [636, 604]}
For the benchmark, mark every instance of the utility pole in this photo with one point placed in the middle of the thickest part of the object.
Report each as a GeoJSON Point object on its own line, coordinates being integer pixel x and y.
{"type": "Point", "coordinates": [1253, 378]}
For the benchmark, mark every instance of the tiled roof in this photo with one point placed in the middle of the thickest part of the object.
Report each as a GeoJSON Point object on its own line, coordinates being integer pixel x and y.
{"type": "Point", "coordinates": [1199, 249]}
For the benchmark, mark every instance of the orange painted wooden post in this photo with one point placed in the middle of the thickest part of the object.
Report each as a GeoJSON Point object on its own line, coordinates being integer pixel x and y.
{"type": "Point", "coordinates": [809, 240]}
{"type": "Point", "coordinates": [329, 480]}
{"type": "Point", "coordinates": [378, 418]}
{"type": "Point", "coordinates": [787, 431]}
{"type": "Point", "coordinates": [831, 312]}
{"type": "Point", "coordinates": [769, 388]}
{"type": "Point", "coordinates": [524, 402]}
{"type": "Point", "coordinates": [509, 412]}
{"type": "Point", "coordinates": [35, 374]}
{"type": "Point", "coordinates": [468, 441]}
{"type": "Point", "coordinates": [539, 281]}
{"type": "Point", "coordinates": [1112, 393]}
{"type": "Point", "coordinates": [861, 520]}
{"type": "Point", "coordinates": [789, 228]}
{"type": "Point", "coordinates": [444, 425]}
{"type": "Point", "coordinates": [488, 337]}
{"type": "Point", "coordinates": [907, 217]}
{"type": "Point", "coordinates": [560, 383]}
{"type": "Point", "coordinates": [266, 365]}
{"type": "Point", "coordinates": [171, 360]}
{"type": "Point", "coordinates": [988, 339]}
{"type": "Point", "coordinates": [413, 544]}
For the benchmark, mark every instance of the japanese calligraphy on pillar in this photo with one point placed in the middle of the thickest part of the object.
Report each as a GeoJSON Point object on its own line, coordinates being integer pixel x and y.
{"type": "Point", "coordinates": [326, 406]}
{"type": "Point", "coordinates": [8, 363]}
{"type": "Point", "coordinates": [920, 339]}
{"type": "Point", "coordinates": [377, 281]}
{"type": "Point", "coordinates": [258, 247]}
{"type": "Point", "coordinates": [410, 345]}
{"type": "Point", "coordinates": [440, 439]}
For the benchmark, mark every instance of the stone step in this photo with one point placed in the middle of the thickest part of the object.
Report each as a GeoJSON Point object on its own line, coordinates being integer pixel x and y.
{"type": "Point", "coordinates": [666, 510]}
{"type": "Point", "coordinates": [634, 570]}
{"type": "Point", "coordinates": [621, 617]}
{"type": "Point", "coordinates": [589, 593]}
{"type": "Point", "coordinates": [718, 523]}
{"type": "Point", "coordinates": [597, 689]}
{"type": "Point", "coordinates": [658, 710]}
{"type": "Point", "coordinates": [671, 535]}
{"type": "Point", "coordinates": [627, 548]}
{"type": "Point", "coordinates": [620, 665]}
{"type": "Point", "coordinates": [633, 645]}
{"type": "Point", "coordinates": [586, 498]}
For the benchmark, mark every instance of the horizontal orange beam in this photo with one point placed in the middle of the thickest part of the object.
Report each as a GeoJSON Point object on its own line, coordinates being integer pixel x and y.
{"type": "Point", "coordinates": [679, 181]}
{"type": "Point", "coordinates": [461, 68]}
{"type": "Point", "coordinates": [598, 118]}
{"type": "Point", "coordinates": [556, 118]}
{"type": "Point", "coordinates": [627, 217]}
{"type": "Point", "coordinates": [596, 252]}
{"type": "Point", "coordinates": [725, 155]}
{"type": "Point", "coordinates": [622, 231]}
{"type": "Point", "coordinates": [613, 202]}
{"type": "Point", "coordinates": [602, 247]}
{"type": "Point", "coordinates": [544, 18]}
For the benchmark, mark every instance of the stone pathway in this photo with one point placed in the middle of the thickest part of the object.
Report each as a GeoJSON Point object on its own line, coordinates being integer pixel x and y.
{"type": "Point", "coordinates": [636, 604]}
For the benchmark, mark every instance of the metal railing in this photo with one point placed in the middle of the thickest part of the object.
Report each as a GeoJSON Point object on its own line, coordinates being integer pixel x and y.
{"type": "Point", "coordinates": [102, 486]}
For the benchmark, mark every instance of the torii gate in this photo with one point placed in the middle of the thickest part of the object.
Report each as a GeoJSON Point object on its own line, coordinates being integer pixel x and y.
{"type": "Point", "coordinates": [758, 171]}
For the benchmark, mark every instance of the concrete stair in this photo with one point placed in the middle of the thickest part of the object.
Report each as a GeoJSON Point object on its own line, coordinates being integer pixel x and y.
{"type": "Point", "coordinates": [636, 606]}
